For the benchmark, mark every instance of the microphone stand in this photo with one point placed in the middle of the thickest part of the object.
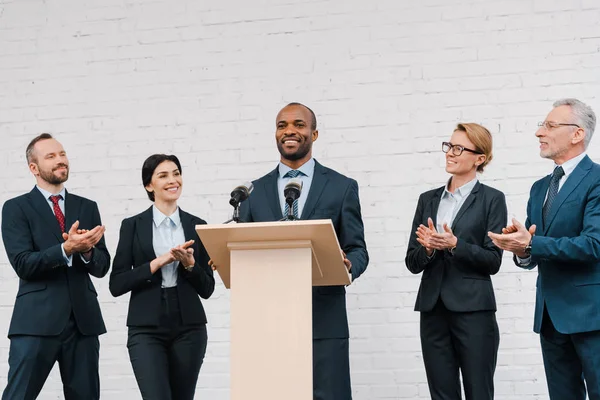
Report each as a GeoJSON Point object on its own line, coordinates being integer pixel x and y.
{"type": "Point", "coordinates": [290, 216]}
{"type": "Point", "coordinates": [236, 214]}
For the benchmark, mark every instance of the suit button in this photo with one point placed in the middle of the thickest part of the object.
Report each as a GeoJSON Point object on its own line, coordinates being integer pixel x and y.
{"type": "Point", "coordinates": [148, 281]}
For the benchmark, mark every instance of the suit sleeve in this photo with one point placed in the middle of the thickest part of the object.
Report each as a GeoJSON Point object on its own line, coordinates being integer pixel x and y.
{"type": "Point", "coordinates": [100, 261]}
{"type": "Point", "coordinates": [416, 257]}
{"type": "Point", "coordinates": [584, 248]}
{"type": "Point", "coordinates": [485, 259]}
{"type": "Point", "coordinates": [124, 276]}
{"type": "Point", "coordinates": [29, 263]}
{"type": "Point", "coordinates": [352, 231]}
{"type": "Point", "coordinates": [201, 276]}
{"type": "Point", "coordinates": [532, 263]}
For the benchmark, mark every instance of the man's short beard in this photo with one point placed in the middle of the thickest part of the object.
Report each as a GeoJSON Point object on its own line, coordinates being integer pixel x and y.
{"type": "Point", "coordinates": [53, 179]}
{"type": "Point", "coordinates": [298, 155]}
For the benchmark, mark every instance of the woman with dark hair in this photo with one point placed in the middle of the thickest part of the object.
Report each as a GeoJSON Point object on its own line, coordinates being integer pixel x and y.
{"type": "Point", "coordinates": [162, 262]}
{"type": "Point", "coordinates": [449, 243]}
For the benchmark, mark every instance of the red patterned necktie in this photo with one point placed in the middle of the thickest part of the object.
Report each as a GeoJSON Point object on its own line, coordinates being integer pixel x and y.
{"type": "Point", "coordinates": [60, 217]}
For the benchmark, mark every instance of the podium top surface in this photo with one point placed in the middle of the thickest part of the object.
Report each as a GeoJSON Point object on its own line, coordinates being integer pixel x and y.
{"type": "Point", "coordinates": [328, 263]}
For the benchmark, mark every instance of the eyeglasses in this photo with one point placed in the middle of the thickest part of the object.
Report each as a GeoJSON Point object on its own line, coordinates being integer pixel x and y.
{"type": "Point", "coordinates": [457, 149]}
{"type": "Point", "coordinates": [553, 125]}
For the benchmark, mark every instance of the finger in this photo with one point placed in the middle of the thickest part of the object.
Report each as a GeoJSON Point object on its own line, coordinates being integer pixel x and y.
{"type": "Point", "coordinates": [65, 236]}
{"type": "Point", "coordinates": [447, 228]}
{"type": "Point", "coordinates": [430, 223]}
{"type": "Point", "coordinates": [494, 236]}
{"type": "Point", "coordinates": [74, 227]}
{"type": "Point", "coordinates": [187, 244]}
{"type": "Point", "coordinates": [517, 224]}
{"type": "Point", "coordinates": [532, 229]}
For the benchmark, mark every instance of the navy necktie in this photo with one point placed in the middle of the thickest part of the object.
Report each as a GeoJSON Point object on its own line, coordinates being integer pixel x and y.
{"type": "Point", "coordinates": [293, 173]}
{"type": "Point", "coordinates": [552, 192]}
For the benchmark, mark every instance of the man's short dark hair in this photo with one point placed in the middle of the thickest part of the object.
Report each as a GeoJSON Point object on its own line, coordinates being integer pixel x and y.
{"type": "Point", "coordinates": [313, 126]}
{"type": "Point", "coordinates": [29, 151]}
{"type": "Point", "coordinates": [150, 166]}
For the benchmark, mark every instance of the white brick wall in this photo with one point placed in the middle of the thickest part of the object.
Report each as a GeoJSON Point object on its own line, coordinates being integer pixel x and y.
{"type": "Point", "coordinates": [118, 80]}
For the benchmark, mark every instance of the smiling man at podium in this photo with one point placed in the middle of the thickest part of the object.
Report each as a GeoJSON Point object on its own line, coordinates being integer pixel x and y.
{"type": "Point", "coordinates": [326, 194]}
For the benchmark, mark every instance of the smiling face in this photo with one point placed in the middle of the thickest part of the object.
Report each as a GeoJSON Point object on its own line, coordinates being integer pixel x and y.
{"type": "Point", "coordinates": [166, 182]}
{"type": "Point", "coordinates": [466, 164]}
{"type": "Point", "coordinates": [560, 143]}
{"type": "Point", "coordinates": [294, 135]}
{"type": "Point", "coordinates": [49, 163]}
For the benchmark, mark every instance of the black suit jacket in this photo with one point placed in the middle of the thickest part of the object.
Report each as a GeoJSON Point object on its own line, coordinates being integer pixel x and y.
{"type": "Point", "coordinates": [332, 196]}
{"type": "Point", "coordinates": [462, 280]}
{"type": "Point", "coordinates": [131, 273]}
{"type": "Point", "coordinates": [48, 289]}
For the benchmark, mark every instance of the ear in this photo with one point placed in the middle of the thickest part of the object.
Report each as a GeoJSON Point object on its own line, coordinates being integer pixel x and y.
{"type": "Point", "coordinates": [149, 188]}
{"type": "Point", "coordinates": [480, 160]}
{"type": "Point", "coordinates": [33, 168]}
{"type": "Point", "coordinates": [578, 136]}
{"type": "Point", "coordinates": [315, 135]}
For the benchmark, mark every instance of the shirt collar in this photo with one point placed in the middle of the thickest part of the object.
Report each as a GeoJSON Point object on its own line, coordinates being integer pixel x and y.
{"type": "Point", "coordinates": [158, 217]}
{"type": "Point", "coordinates": [462, 191]}
{"type": "Point", "coordinates": [308, 168]}
{"type": "Point", "coordinates": [570, 165]}
{"type": "Point", "coordinates": [47, 194]}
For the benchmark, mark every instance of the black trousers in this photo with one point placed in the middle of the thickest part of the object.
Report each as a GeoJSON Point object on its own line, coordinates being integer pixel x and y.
{"type": "Point", "coordinates": [568, 360]}
{"type": "Point", "coordinates": [331, 370]}
{"type": "Point", "coordinates": [166, 359]}
{"type": "Point", "coordinates": [31, 359]}
{"type": "Point", "coordinates": [465, 341]}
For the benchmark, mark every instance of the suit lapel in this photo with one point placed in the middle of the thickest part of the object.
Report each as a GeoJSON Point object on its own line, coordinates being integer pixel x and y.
{"type": "Point", "coordinates": [72, 207]}
{"type": "Point", "coordinates": [435, 205]}
{"type": "Point", "coordinates": [470, 199]}
{"type": "Point", "coordinates": [41, 206]}
{"type": "Point", "coordinates": [317, 185]}
{"type": "Point", "coordinates": [144, 231]}
{"type": "Point", "coordinates": [188, 226]}
{"type": "Point", "coordinates": [272, 194]}
{"type": "Point", "coordinates": [567, 188]}
{"type": "Point", "coordinates": [537, 202]}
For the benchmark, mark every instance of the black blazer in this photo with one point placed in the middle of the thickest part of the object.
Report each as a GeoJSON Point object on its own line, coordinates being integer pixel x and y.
{"type": "Point", "coordinates": [131, 273]}
{"type": "Point", "coordinates": [332, 196]}
{"type": "Point", "coordinates": [48, 289]}
{"type": "Point", "coordinates": [462, 280]}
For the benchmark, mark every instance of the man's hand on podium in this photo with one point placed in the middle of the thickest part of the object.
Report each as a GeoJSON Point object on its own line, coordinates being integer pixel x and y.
{"type": "Point", "coordinates": [347, 262]}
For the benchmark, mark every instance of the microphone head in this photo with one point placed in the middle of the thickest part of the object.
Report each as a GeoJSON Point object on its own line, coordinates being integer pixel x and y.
{"type": "Point", "coordinates": [292, 190]}
{"type": "Point", "coordinates": [294, 183]}
{"type": "Point", "coordinates": [241, 193]}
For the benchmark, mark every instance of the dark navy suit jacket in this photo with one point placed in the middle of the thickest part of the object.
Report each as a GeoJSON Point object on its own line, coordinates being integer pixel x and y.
{"type": "Point", "coordinates": [48, 289]}
{"type": "Point", "coordinates": [462, 280]}
{"type": "Point", "coordinates": [567, 251]}
{"type": "Point", "coordinates": [332, 196]}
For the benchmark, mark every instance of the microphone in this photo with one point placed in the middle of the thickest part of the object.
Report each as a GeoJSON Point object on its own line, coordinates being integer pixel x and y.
{"type": "Point", "coordinates": [241, 193]}
{"type": "Point", "coordinates": [292, 192]}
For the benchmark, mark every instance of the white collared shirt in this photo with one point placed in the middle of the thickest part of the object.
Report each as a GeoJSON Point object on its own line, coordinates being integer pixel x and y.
{"type": "Point", "coordinates": [308, 172]}
{"type": "Point", "coordinates": [167, 232]}
{"type": "Point", "coordinates": [450, 203]}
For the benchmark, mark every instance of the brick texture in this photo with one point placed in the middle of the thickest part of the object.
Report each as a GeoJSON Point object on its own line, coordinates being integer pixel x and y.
{"type": "Point", "coordinates": [118, 80]}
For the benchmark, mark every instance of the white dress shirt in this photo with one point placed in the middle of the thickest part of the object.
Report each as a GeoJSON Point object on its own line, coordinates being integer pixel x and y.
{"type": "Point", "coordinates": [450, 203]}
{"type": "Point", "coordinates": [308, 172]}
{"type": "Point", "coordinates": [167, 232]}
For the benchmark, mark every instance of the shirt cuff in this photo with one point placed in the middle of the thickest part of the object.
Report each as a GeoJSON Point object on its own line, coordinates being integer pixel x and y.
{"type": "Point", "coordinates": [523, 262]}
{"type": "Point", "coordinates": [68, 259]}
{"type": "Point", "coordinates": [431, 256]}
{"type": "Point", "coordinates": [85, 261]}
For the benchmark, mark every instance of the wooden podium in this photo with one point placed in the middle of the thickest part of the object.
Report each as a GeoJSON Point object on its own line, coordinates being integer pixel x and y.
{"type": "Point", "coordinates": [270, 268]}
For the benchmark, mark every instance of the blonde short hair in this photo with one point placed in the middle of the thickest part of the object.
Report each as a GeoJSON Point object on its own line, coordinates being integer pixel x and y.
{"type": "Point", "coordinates": [481, 139]}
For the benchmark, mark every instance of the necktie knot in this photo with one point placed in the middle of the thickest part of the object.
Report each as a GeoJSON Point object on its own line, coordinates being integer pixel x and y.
{"type": "Point", "coordinates": [558, 173]}
{"type": "Point", "coordinates": [55, 199]}
{"type": "Point", "coordinates": [293, 173]}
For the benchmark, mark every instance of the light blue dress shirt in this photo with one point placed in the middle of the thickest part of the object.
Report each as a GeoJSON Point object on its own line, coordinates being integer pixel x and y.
{"type": "Point", "coordinates": [61, 205]}
{"type": "Point", "coordinates": [167, 232]}
{"type": "Point", "coordinates": [308, 172]}
{"type": "Point", "coordinates": [450, 203]}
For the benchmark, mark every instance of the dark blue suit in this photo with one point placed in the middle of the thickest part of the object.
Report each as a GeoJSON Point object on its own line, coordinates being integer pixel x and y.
{"type": "Point", "coordinates": [566, 251]}
{"type": "Point", "coordinates": [332, 196]}
{"type": "Point", "coordinates": [56, 314]}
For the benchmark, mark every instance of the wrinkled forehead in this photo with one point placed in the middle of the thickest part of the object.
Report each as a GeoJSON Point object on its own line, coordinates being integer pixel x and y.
{"type": "Point", "coordinates": [561, 114]}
